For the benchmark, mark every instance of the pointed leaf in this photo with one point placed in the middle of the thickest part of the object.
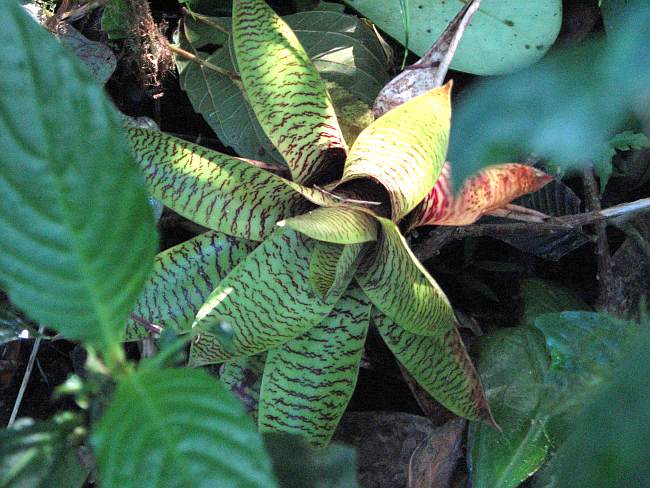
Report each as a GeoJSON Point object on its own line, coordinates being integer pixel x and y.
{"type": "Point", "coordinates": [182, 279]}
{"type": "Point", "coordinates": [440, 365]}
{"type": "Point", "coordinates": [332, 266]}
{"type": "Point", "coordinates": [338, 225]}
{"type": "Point", "coordinates": [286, 92]}
{"type": "Point", "coordinates": [77, 237]}
{"type": "Point", "coordinates": [405, 149]}
{"type": "Point", "coordinates": [512, 363]}
{"type": "Point", "coordinates": [243, 377]}
{"type": "Point", "coordinates": [398, 285]}
{"type": "Point", "coordinates": [309, 380]}
{"type": "Point", "coordinates": [267, 300]}
{"type": "Point", "coordinates": [492, 188]}
{"type": "Point", "coordinates": [217, 191]}
{"type": "Point", "coordinates": [177, 427]}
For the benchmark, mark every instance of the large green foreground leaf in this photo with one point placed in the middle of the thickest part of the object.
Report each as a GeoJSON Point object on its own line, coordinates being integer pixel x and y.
{"type": "Point", "coordinates": [309, 380]}
{"type": "Point", "coordinates": [440, 365]}
{"type": "Point", "coordinates": [512, 363]}
{"type": "Point", "coordinates": [41, 454]}
{"type": "Point", "coordinates": [182, 278]}
{"type": "Point", "coordinates": [285, 91]}
{"type": "Point", "coordinates": [77, 237]}
{"type": "Point", "coordinates": [174, 428]}
{"type": "Point", "coordinates": [565, 125]}
{"type": "Point", "coordinates": [398, 285]}
{"type": "Point", "coordinates": [267, 300]}
{"type": "Point", "coordinates": [404, 150]}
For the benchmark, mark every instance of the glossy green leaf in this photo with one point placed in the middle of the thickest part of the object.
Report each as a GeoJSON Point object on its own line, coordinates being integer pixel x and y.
{"type": "Point", "coordinates": [182, 278]}
{"type": "Point", "coordinates": [177, 427]}
{"type": "Point", "coordinates": [299, 465]}
{"type": "Point", "coordinates": [337, 225]}
{"type": "Point", "coordinates": [285, 91]}
{"type": "Point", "coordinates": [243, 377]}
{"type": "Point", "coordinates": [266, 300]}
{"type": "Point", "coordinates": [440, 365]}
{"type": "Point", "coordinates": [584, 348]}
{"type": "Point", "coordinates": [405, 149]}
{"type": "Point", "coordinates": [309, 380]}
{"type": "Point", "coordinates": [504, 35]}
{"type": "Point", "coordinates": [72, 199]}
{"type": "Point", "coordinates": [217, 191]}
{"type": "Point", "coordinates": [543, 296]}
{"type": "Point", "coordinates": [512, 363]}
{"type": "Point", "coordinates": [332, 266]}
{"type": "Point", "coordinates": [609, 446]}
{"type": "Point", "coordinates": [41, 454]}
{"type": "Point", "coordinates": [399, 286]}
{"type": "Point", "coordinates": [566, 126]}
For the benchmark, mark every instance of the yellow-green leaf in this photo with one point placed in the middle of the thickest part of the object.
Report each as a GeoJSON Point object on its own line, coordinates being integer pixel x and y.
{"type": "Point", "coordinates": [338, 225]}
{"type": "Point", "coordinates": [332, 266]}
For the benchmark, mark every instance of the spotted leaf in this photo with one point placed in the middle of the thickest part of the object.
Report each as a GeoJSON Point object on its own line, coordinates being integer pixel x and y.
{"type": "Point", "coordinates": [309, 380]}
{"type": "Point", "coordinates": [267, 300]}
{"type": "Point", "coordinates": [440, 365]}
{"type": "Point", "coordinates": [404, 150]}
{"type": "Point", "coordinates": [492, 188]}
{"type": "Point", "coordinates": [182, 278]}
{"type": "Point", "coordinates": [285, 91]}
{"type": "Point", "coordinates": [398, 285]}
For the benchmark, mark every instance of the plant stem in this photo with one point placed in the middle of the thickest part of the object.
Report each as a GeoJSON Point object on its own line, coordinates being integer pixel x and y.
{"type": "Point", "coordinates": [26, 376]}
{"type": "Point", "coordinates": [234, 77]}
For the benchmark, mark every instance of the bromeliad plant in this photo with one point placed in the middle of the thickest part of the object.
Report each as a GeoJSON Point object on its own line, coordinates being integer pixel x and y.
{"type": "Point", "coordinates": [297, 267]}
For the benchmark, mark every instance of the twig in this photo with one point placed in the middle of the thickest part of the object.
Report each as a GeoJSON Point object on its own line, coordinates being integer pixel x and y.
{"type": "Point", "coordinates": [604, 274]}
{"type": "Point", "coordinates": [429, 247]}
{"type": "Point", "coordinates": [149, 326]}
{"type": "Point", "coordinates": [26, 376]}
{"type": "Point", "coordinates": [206, 20]}
{"type": "Point", "coordinates": [234, 77]}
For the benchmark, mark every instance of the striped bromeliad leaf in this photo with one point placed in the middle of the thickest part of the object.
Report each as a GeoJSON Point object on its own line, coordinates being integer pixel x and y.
{"type": "Point", "coordinates": [338, 225]}
{"type": "Point", "coordinates": [332, 266]}
{"type": "Point", "coordinates": [399, 286]}
{"type": "Point", "coordinates": [182, 279]}
{"type": "Point", "coordinates": [286, 92]}
{"type": "Point", "coordinates": [309, 380]}
{"type": "Point", "coordinates": [243, 377]}
{"type": "Point", "coordinates": [404, 150]}
{"type": "Point", "coordinates": [267, 300]}
{"type": "Point", "coordinates": [491, 189]}
{"type": "Point", "coordinates": [440, 365]}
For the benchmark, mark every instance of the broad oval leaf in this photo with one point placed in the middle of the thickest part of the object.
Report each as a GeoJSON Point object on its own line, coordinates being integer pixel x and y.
{"type": "Point", "coordinates": [217, 191]}
{"type": "Point", "coordinates": [504, 36]}
{"type": "Point", "coordinates": [404, 150]}
{"type": "Point", "coordinates": [492, 188]}
{"type": "Point", "coordinates": [309, 380]}
{"type": "Point", "coordinates": [399, 286]}
{"type": "Point", "coordinates": [77, 236]}
{"type": "Point", "coordinates": [267, 300]}
{"type": "Point", "coordinates": [177, 427]}
{"type": "Point", "coordinates": [337, 225]}
{"type": "Point", "coordinates": [440, 365]}
{"type": "Point", "coordinates": [182, 278]}
{"type": "Point", "coordinates": [512, 363]}
{"type": "Point", "coordinates": [285, 91]}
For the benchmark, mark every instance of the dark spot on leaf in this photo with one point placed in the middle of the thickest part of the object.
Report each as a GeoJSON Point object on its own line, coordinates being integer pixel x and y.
{"type": "Point", "coordinates": [509, 22]}
{"type": "Point", "coordinates": [527, 46]}
{"type": "Point", "coordinates": [428, 31]}
{"type": "Point", "coordinates": [420, 6]}
{"type": "Point", "coordinates": [539, 47]}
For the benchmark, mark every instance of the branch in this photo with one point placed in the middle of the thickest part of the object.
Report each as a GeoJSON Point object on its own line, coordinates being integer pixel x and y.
{"type": "Point", "coordinates": [234, 77]}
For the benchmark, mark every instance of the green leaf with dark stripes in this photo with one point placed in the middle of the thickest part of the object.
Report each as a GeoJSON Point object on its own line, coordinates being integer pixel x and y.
{"type": "Point", "coordinates": [285, 91]}
{"type": "Point", "coordinates": [217, 191]}
{"type": "Point", "coordinates": [309, 380]}
{"type": "Point", "coordinates": [332, 266]}
{"type": "Point", "coordinates": [243, 377]}
{"type": "Point", "coordinates": [267, 300]}
{"type": "Point", "coordinates": [77, 237]}
{"type": "Point", "coordinates": [338, 225]}
{"type": "Point", "coordinates": [398, 285]}
{"type": "Point", "coordinates": [42, 454]}
{"type": "Point", "coordinates": [440, 365]}
{"type": "Point", "coordinates": [405, 149]}
{"type": "Point", "coordinates": [177, 427]}
{"type": "Point", "coordinates": [182, 278]}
